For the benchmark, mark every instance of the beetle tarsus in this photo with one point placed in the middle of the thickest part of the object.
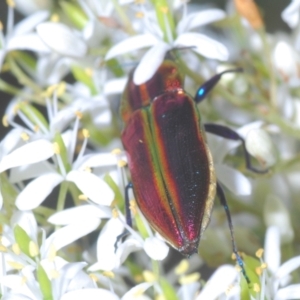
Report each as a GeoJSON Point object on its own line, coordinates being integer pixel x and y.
{"type": "Point", "coordinates": [230, 134]}
{"type": "Point", "coordinates": [223, 201]}
{"type": "Point", "coordinates": [119, 238]}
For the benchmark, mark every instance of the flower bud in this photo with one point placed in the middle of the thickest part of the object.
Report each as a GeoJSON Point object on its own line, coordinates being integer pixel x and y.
{"type": "Point", "coordinates": [260, 145]}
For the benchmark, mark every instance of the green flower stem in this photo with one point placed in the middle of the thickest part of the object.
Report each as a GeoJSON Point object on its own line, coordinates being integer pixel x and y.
{"type": "Point", "coordinates": [21, 76]}
{"type": "Point", "coordinates": [124, 18]}
{"type": "Point", "coordinates": [8, 88]}
{"type": "Point", "coordinates": [62, 196]}
{"type": "Point", "coordinates": [156, 269]}
{"type": "Point", "coordinates": [165, 19]}
{"type": "Point", "coordinates": [268, 55]}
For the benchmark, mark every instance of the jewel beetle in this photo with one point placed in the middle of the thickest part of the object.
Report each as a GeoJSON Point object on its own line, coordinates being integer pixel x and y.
{"type": "Point", "coordinates": [171, 167]}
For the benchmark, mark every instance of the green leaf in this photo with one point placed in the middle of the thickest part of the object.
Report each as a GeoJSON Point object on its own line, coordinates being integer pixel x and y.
{"type": "Point", "coordinates": [63, 151]}
{"type": "Point", "coordinates": [168, 290]}
{"type": "Point", "coordinates": [74, 14]}
{"type": "Point", "coordinates": [34, 115]}
{"type": "Point", "coordinates": [22, 239]}
{"type": "Point", "coordinates": [118, 195]}
{"type": "Point", "coordinates": [83, 76]}
{"type": "Point", "coordinates": [45, 283]}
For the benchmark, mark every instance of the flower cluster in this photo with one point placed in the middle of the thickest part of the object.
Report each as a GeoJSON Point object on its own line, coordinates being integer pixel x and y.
{"type": "Point", "coordinates": [63, 171]}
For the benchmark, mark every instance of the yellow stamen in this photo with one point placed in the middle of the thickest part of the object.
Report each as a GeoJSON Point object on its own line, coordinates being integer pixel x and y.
{"type": "Point", "coordinates": [54, 18]}
{"type": "Point", "coordinates": [52, 253]}
{"type": "Point", "coordinates": [115, 213]}
{"type": "Point", "coordinates": [116, 151]}
{"type": "Point", "coordinates": [264, 265]}
{"type": "Point", "coordinates": [24, 136]}
{"type": "Point", "coordinates": [16, 265]}
{"type": "Point", "coordinates": [122, 163]}
{"type": "Point", "coordinates": [256, 287]}
{"type": "Point", "coordinates": [56, 148]}
{"type": "Point", "coordinates": [3, 248]}
{"type": "Point", "coordinates": [83, 197]}
{"type": "Point", "coordinates": [33, 249]}
{"type": "Point", "coordinates": [23, 280]}
{"type": "Point", "coordinates": [149, 276]}
{"type": "Point", "coordinates": [88, 71]}
{"type": "Point", "coordinates": [108, 274]}
{"type": "Point", "coordinates": [11, 3]}
{"type": "Point", "coordinates": [139, 15]}
{"type": "Point", "coordinates": [53, 274]}
{"type": "Point", "coordinates": [5, 121]}
{"type": "Point", "coordinates": [78, 114]}
{"type": "Point", "coordinates": [61, 88]}
{"type": "Point", "coordinates": [259, 253]}
{"type": "Point", "coordinates": [164, 9]}
{"type": "Point", "coordinates": [182, 267]}
{"type": "Point", "coordinates": [93, 277]}
{"type": "Point", "coordinates": [133, 207]}
{"type": "Point", "coordinates": [1, 26]}
{"type": "Point", "coordinates": [16, 249]}
{"type": "Point", "coordinates": [258, 271]}
{"type": "Point", "coordinates": [194, 277]}
{"type": "Point", "coordinates": [85, 133]}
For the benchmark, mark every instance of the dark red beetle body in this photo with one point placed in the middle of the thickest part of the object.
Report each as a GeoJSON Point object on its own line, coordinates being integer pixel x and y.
{"type": "Point", "coordinates": [171, 166]}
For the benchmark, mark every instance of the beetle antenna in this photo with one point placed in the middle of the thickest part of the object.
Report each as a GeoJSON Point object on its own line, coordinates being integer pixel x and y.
{"type": "Point", "coordinates": [223, 201]}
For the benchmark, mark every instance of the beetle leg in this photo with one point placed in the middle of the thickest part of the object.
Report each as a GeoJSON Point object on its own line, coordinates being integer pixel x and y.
{"type": "Point", "coordinates": [207, 86]}
{"type": "Point", "coordinates": [223, 201]}
{"type": "Point", "coordinates": [128, 215]}
{"type": "Point", "coordinates": [230, 134]}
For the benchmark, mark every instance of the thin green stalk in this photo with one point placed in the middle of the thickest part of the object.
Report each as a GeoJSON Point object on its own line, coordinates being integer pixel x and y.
{"type": "Point", "coordinates": [62, 196]}
{"type": "Point", "coordinates": [123, 17]}
{"type": "Point", "coordinates": [268, 55]}
{"type": "Point", "coordinates": [22, 76]}
{"type": "Point", "coordinates": [8, 88]}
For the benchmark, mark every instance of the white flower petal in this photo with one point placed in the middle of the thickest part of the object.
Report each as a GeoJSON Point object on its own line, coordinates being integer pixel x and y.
{"type": "Point", "coordinates": [26, 220]}
{"type": "Point", "coordinates": [203, 45]}
{"type": "Point", "coordinates": [28, 154]}
{"type": "Point", "coordinates": [288, 267]}
{"type": "Point", "coordinates": [37, 190]}
{"type": "Point", "coordinates": [26, 172]}
{"type": "Point", "coordinates": [272, 248]}
{"type": "Point", "coordinates": [219, 282]}
{"type": "Point", "coordinates": [131, 44]}
{"type": "Point", "coordinates": [70, 233]}
{"type": "Point", "coordinates": [74, 214]}
{"type": "Point", "coordinates": [61, 39]}
{"type": "Point", "coordinates": [137, 290]}
{"type": "Point", "coordinates": [201, 18]}
{"type": "Point", "coordinates": [91, 294]}
{"type": "Point", "coordinates": [291, 13]}
{"type": "Point", "coordinates": [129, 246]}
{"type": "Point", "coordinates": [156, 248]}
{"type": "Point", "coordinates": [29, 23]}
{"type": "Point", "coordinates": [92, 186]}
{"type": "Point", "coordinates": [32, 6]}
{"type": "Point", "coordinates": [289, 293]}
{"type": "Point", "coordinates": [107, 258]}
{"type": "Point", "coordinates": [235, 181]}
{"type": "Point", "coordinates": [29, 41]}
{"type": "Point", "coordinates": [115, 86]}
{"type": "Point", "coordinates": [150, 63]}
{"type": "Point", "coordinates": [10, 141]}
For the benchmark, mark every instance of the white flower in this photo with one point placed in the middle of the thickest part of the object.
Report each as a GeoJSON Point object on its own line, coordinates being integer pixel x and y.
{"type": "Point", "coordinates": [275, 280]}
{"type": "Point", "coordinates": [31, 160]}
{"type": "Point", "coordinates": [154, 38]}
{"type": "Point", "coordinates": [22, 36]}
{"type": "Point", "coordinates": [291, 13]}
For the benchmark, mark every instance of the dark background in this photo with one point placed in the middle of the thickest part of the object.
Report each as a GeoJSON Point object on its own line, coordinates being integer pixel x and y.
{"type": "Point", "coordinates": [270, 9]}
